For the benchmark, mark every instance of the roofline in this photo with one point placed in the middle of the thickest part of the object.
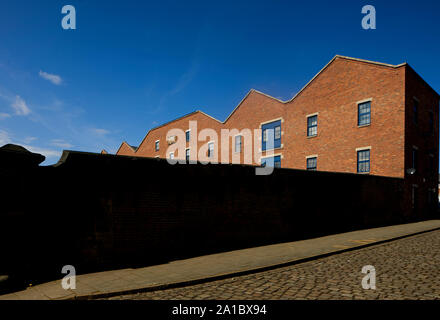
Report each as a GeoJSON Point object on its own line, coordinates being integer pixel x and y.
{"type": "Point", "coordinates": [247, 94]}
{"type": "Point", "coordinates": [125, 142]}
{"type": "Point", "coordinates": [316, 75]}
{"type": "Point", "coordinates": [418, 75]}
{"type": "Point", "coordinates": [242, 100]}
{"type": "Point", "coordinates": [371, 62]}
{"type": "Point", "coordinates": [347, 58]}
{"type": "Point", "coordinates": [266, 95]}
{"type": "Point", "coordinates": [166, 123]}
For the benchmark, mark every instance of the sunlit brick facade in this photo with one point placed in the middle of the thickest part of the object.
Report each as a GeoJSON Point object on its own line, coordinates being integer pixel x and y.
{"type": "Point", "coordinates": [354, 116]}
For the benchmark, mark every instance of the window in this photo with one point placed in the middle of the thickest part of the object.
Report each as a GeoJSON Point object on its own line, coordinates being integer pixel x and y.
{"type": "Point", "coordinates": [415, 111]}
{"type": "Point", "coordinates": [156, 145]}
{"type": "Point", "coordinates": [238, 141]}
{"type": "Point", "coordinates": [414, 158]}
{"type": "Point", "coordinates": [171, 155]}
{"type": "Point", "coordinates": [363, 161]}
{"type": "Point", "coordinates": [272, 161]}
{"type": "Point", "coordinates": [277, 133]}
{"type": "Point", "coordinates": [312, 126]}
{"type": "Point", "coordinates": [312, 163]}
{"type": "Point", "coordinates": [364, 113]}
{"type": "Point", "coordinates": [188, 135]}
{"type": "Point", "coordinates": [276, 127]}
{"type": "Point", "coordinates": [277, 162]}
{"type": "Point", "coordinates": [187, 155]}
{"type": "Point", "coordinates": [210, 149]}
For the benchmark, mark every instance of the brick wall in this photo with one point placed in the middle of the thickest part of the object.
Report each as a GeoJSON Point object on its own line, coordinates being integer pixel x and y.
{"type": "Point", "coordinates": [425, 141]}
{"type": "Point", "coordinates": [100, 211]}
{"type": "Point", "coordinates": [334, 95]}
{"type": "Point", "coordinates": [148, 211]}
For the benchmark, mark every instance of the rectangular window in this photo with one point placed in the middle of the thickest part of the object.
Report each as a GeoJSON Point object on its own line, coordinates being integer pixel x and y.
{"type": "Point", "coordinates": [415, 111]}
{"type": "Point", "coordinates": [363, 161]}
{"type": "Point", "coordinates": [312, 126]}
{"type": "Point", "coordinates": [414, 158]}
{"type": "Point", "coordinates": [238, 140]}
{"type": "Point", "coordinates": [277, 162]}
{"type": "Point", "coordinates": [187, 155]}
{"type": "Point", "coordinates": [275, 129]}
{"type": "Point", "coordinates": [364, 113]}
{"type": "Point", "coordinates": [210, 149]}
{"type": "Point", "coordinates": [273, 161]}
{"type": "Point", "coordinates": [156, 145]}
{"type": "Point", "coordinates": [187, 134]}
{"type": "Point", "coordinates": [312, 163]}
{"type": "Point", "coordinates": [277, 133]}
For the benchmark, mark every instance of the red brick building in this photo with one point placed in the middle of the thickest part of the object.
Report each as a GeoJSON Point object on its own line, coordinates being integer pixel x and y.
{"type": "Point", "coordinates": [354, 116]}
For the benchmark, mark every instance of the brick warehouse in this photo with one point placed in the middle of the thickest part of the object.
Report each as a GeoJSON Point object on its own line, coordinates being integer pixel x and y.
{"type": "Point", "coordinates": [102, 211]}
{"type": "Point", "coordinates": [354, 116]}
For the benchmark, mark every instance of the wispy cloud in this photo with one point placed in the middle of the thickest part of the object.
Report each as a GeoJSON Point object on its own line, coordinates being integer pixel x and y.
{"type": "Point", "coordinates": [4, 116]}
{"type": "Point", "coordinates": [29, 139]}
{"type": "Point", "coordinates": [20, 107]}
{"type": "Point", "coordinates": [186, 78]}
{"type": "Point", "coordinates": [100, 132]}
{"type": "Point", "coordinates": [55, 79]}
{"type": "Point", "coordinates": [183, 81]}
{"type": "Point", "coordinates": [61, 144]}
{"type": "Point", "coordinates": [48, 153]}
{"type": "Point", "coordinates": [6, 138]}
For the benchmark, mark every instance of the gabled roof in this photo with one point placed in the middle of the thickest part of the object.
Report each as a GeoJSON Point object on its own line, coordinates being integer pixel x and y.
{"type": "Point", "coordinates": [346, 58]}
{"type": "Point", "coordinates": [125, 143]}
{"type": "Point", "coordinates": [325, 67]}
{"type": "Point", "coordinates": [268, 96]}
{"type": "Point", "coordinates": [166, 123]}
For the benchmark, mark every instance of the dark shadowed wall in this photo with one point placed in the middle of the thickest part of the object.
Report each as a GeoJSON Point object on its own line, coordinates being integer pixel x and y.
{"type": "Point", "coordinates": [104, 211]}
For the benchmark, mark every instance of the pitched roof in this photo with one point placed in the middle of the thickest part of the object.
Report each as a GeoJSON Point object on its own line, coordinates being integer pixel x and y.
{"type": "Point", "coordinates": [270, 97]}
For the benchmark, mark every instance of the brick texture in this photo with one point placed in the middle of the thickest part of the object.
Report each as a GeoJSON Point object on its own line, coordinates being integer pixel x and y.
{"type": "Point", "coordinates": [334, 95]}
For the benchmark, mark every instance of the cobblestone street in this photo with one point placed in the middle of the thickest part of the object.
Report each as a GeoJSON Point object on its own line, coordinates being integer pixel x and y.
{"type": "Point", "coordinates": [405, 269]}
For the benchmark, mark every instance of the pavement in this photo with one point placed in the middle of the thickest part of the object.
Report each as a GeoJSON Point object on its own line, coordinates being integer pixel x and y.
{"type": "Point", "coordinates": [404, 269]}
{"type": "Point", "coordinates": [218, 266]}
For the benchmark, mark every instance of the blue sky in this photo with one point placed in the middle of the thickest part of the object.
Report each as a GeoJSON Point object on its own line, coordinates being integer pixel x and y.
{"type": "Point", "coordinates": [131, 65]}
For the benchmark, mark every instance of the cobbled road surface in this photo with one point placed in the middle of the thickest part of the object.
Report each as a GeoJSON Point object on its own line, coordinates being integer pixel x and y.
{"type": "Point", "coordinates": [405, 269]}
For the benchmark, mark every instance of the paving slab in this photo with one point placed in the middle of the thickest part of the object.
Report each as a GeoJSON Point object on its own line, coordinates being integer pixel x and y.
{"type": "Point", "coordinates": [217, 266]}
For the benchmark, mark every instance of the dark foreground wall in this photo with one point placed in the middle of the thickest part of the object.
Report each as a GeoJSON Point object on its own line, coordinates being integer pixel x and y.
{"type": "Point", "coordinates": [103, 211]}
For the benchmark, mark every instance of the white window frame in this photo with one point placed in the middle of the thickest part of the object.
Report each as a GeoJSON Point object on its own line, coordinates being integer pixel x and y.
{"type": "Point", "coordinates": [307, 122]}
{"type": "Point", "coordinates": [357, 164]}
